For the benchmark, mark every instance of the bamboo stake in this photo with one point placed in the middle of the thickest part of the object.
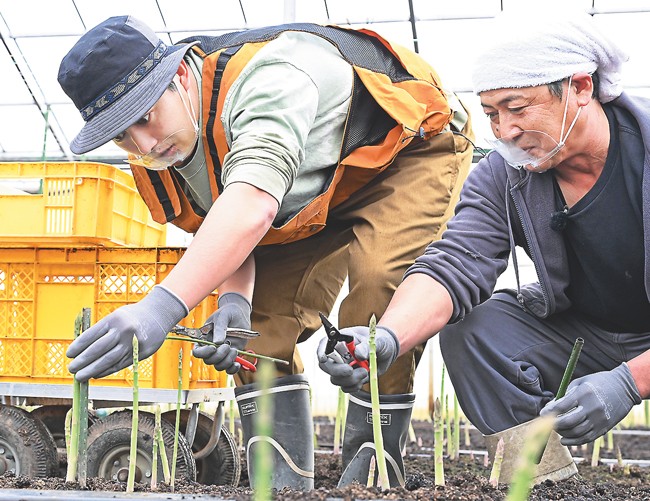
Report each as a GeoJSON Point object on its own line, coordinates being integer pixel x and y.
{"type": "Point", "coordinates": [263, 456]}
{"type": "Point", "coordinates": [495, 473]}
{"type": "Point", "coordinates": [438, 425]}
{"type": "Point", "coordinates": [133, 452]}
{"type": "Point", "coordinates": [383, 482]}
{"type": "Point", "coordinates": [178, 417]}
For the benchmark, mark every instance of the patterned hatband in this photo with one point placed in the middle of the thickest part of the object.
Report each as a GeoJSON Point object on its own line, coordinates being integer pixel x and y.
{"type": "Point", "coordinates": [126, 84]}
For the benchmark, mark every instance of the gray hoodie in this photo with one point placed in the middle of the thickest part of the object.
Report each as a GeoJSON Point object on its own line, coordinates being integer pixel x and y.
{"type": "Point", "coordinates": [501, 207]}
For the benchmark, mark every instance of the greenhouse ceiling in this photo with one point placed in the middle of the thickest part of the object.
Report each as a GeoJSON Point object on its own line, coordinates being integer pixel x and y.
{"type": "Point", "coordinates": [38, 121]}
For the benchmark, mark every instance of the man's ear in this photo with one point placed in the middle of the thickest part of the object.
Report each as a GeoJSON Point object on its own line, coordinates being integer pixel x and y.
{"type": "Point", "coordinates": [583, 85]}
{"type": "Point", "coordinates": [183, 73]}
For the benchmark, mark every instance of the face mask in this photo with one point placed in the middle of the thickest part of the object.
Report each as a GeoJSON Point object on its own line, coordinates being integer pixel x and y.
{"type": "Point", "coordinates": [530, 149]}
{"type": "Point", "coordinates": [167, 152]}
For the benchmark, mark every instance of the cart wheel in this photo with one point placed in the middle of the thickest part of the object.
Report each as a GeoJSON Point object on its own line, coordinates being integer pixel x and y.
{"type": "Point", "coordinates": [109, 442]}
{"type": "Point", "coordinates": [223, 465]}
{"type": "Point", "coordinates": [26, 446]}
{"type": "Point", "coordinates": [53, 417]}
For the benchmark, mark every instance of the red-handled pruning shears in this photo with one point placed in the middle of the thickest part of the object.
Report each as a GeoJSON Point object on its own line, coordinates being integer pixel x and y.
{"type": "Point", "coordinates": [335, 336]}
{"type": "Point", "coordinates": [205, 331]}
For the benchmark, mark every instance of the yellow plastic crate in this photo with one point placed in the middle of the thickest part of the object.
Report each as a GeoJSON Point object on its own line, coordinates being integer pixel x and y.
{"type": "Point", "coordinates": [80, 204]}
{"type": "Point", "coordinates": [43, 289]}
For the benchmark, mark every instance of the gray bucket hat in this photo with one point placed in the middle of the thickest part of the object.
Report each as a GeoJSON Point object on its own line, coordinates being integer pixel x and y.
{"type": "Point", "coordinates": [114, 74]}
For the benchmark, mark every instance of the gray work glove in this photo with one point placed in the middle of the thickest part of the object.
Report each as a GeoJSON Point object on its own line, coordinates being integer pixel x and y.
{"type": "Point", "coordinates": [341, 374]}
{"type": "Point", "coordinates": [234, 311]}
{"type": "Point", "coordinates": [593, 405]}
{"type": "Point", "coordinates": [107, 346]}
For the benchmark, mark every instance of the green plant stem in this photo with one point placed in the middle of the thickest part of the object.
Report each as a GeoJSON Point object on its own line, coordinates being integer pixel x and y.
{"type": "Point", "coordinates": [570, 367]}
{"type": "Point", "coordinates": [263, 457]}
{"type": "Point", "coordinates": [178, 417]}
{"type": "Point", "coordinates": [338, 422]}
{"type": "Point", "coordinates": [154, 452]}
{"type": "Point", "coordinates": [382, 482]}
{"type": "Point", "coordinates": [163, 457]}
{"type": "Point", "coordinates": [76, 452]}
{"type": "Point", "coordinates": [595, 453]}
{"type": "Point", "coordinates": [495, 473]}
{"type": "Point", "coordinates": [524, 474]}
{"type": "Point", "coordinates": [438, 435]}
{"type": "Point", "coordinates": [564, 384]}
{"type": "Point", "coordinates": [240, 352]}
{"type": "Point", "coordinates": [456, 429]}
{"type": "Point", "coordinates": [133, 451]}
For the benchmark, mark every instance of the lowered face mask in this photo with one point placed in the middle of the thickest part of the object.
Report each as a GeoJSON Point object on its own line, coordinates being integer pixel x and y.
{"type": "Point", "coordinates": [531, 149]}
{"type": "Point", "coordinates": [168, 152]}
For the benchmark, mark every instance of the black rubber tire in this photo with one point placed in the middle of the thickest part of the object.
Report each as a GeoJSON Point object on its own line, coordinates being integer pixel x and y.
{"type": "Point", "coordinates": [53, 417]}
{"type": "Point", "coordinates": [109, 440]}
{"type": "Point", "coordinates": [27, 445]}
{"type": "Point", "coordinates": [223, 465]}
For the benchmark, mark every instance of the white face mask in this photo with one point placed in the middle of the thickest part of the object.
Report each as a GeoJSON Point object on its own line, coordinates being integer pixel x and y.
{"type": "Point", "coordinates": [530, 149]}
{"type": "Point", "coordinates": [167, 152]}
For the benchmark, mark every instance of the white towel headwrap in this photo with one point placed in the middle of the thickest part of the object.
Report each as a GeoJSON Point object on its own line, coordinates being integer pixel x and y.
{"type": "Point", "coordinates": [529, 55]}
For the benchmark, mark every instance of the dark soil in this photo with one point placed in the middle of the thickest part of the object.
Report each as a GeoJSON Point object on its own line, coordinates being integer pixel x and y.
{"type": "Point", "coordinates": [465, 478]}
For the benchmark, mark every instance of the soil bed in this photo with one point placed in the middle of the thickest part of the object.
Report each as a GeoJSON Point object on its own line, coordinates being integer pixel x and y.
{"type": "Point", "coordinates": [466, 478]}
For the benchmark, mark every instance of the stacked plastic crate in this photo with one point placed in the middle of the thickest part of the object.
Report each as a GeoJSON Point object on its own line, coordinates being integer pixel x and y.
{"type": "Point", "coordinates": [85, 238]}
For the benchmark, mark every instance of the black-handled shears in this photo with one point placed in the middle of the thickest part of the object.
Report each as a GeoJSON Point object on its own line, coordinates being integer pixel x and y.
{"type": "Point", "coordinates": [334, 336]}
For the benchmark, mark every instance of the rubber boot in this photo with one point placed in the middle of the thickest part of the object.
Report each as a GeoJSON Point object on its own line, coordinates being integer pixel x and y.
{"type": "Point", "coordinates": [358, 442]}
{"type": "Point", "coordinates": [556, 463]}
{"type": "Point", "coordinates": [292, 437]}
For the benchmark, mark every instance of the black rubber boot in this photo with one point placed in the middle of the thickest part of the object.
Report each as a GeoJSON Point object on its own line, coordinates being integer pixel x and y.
{"type": "Point", "coordinates": [292, 437]}
{"type": "Point", "coordinates": [358, 442]}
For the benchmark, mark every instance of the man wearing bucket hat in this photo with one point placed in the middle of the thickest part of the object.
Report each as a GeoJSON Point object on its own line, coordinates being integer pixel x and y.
{"type": "Point", "coordinates": [297, 154]}
{"type": "Point", "coordinates": [569, 183]}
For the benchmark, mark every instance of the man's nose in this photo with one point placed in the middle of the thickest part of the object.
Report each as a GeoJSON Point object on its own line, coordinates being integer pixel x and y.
{"type": "Point", "coordinates": [508, 127]}
{"type": "Point", "coordinates": [141, 141]}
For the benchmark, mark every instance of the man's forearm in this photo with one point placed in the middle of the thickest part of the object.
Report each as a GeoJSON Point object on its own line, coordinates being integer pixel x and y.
{"type": "Point", "coordinates": [640, 369]}
{"type": "Point", "coordinates": [237, 221]}
{"type": "Point", "coordinates": [419, 309]}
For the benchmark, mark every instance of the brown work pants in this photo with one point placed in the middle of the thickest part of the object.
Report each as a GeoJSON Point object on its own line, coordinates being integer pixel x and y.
{"type": "Point", "coordinates": [372, 238]}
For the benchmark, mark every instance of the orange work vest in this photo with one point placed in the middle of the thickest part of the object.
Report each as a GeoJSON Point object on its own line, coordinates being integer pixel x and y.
{"type": "Point", "coordinates": [396, 96]}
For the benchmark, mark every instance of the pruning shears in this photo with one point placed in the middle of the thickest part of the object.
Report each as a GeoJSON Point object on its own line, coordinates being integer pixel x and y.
{"type": "Point", "coordinates": [335, 336]}
{"type": "Point", "coordinates": [205, 332]}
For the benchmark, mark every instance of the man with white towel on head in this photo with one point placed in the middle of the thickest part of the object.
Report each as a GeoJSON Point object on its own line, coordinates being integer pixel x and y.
{"type": "Point", "coordinates": [568, 181]}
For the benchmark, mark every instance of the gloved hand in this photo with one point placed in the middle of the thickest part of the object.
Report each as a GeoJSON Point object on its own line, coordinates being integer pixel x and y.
{"type": "Point", "coordinates": [351, 380]}
{"type": "Point", "coordinates": [107, 346]}
{"type": "Point", "coordinates": [593, 405]}
{"type": "Point", "coordinates": [234, 311]}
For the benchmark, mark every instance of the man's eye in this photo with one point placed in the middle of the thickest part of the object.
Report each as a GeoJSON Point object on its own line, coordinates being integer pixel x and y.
{"type": "Point", "coordinates": [143, 120]}
{"type": "Point", "coordinates": [493, 116]}
{"type": "Point", "coordinates": [120, 137]}
{"type": "Point", "coordinates": [516, 110]}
